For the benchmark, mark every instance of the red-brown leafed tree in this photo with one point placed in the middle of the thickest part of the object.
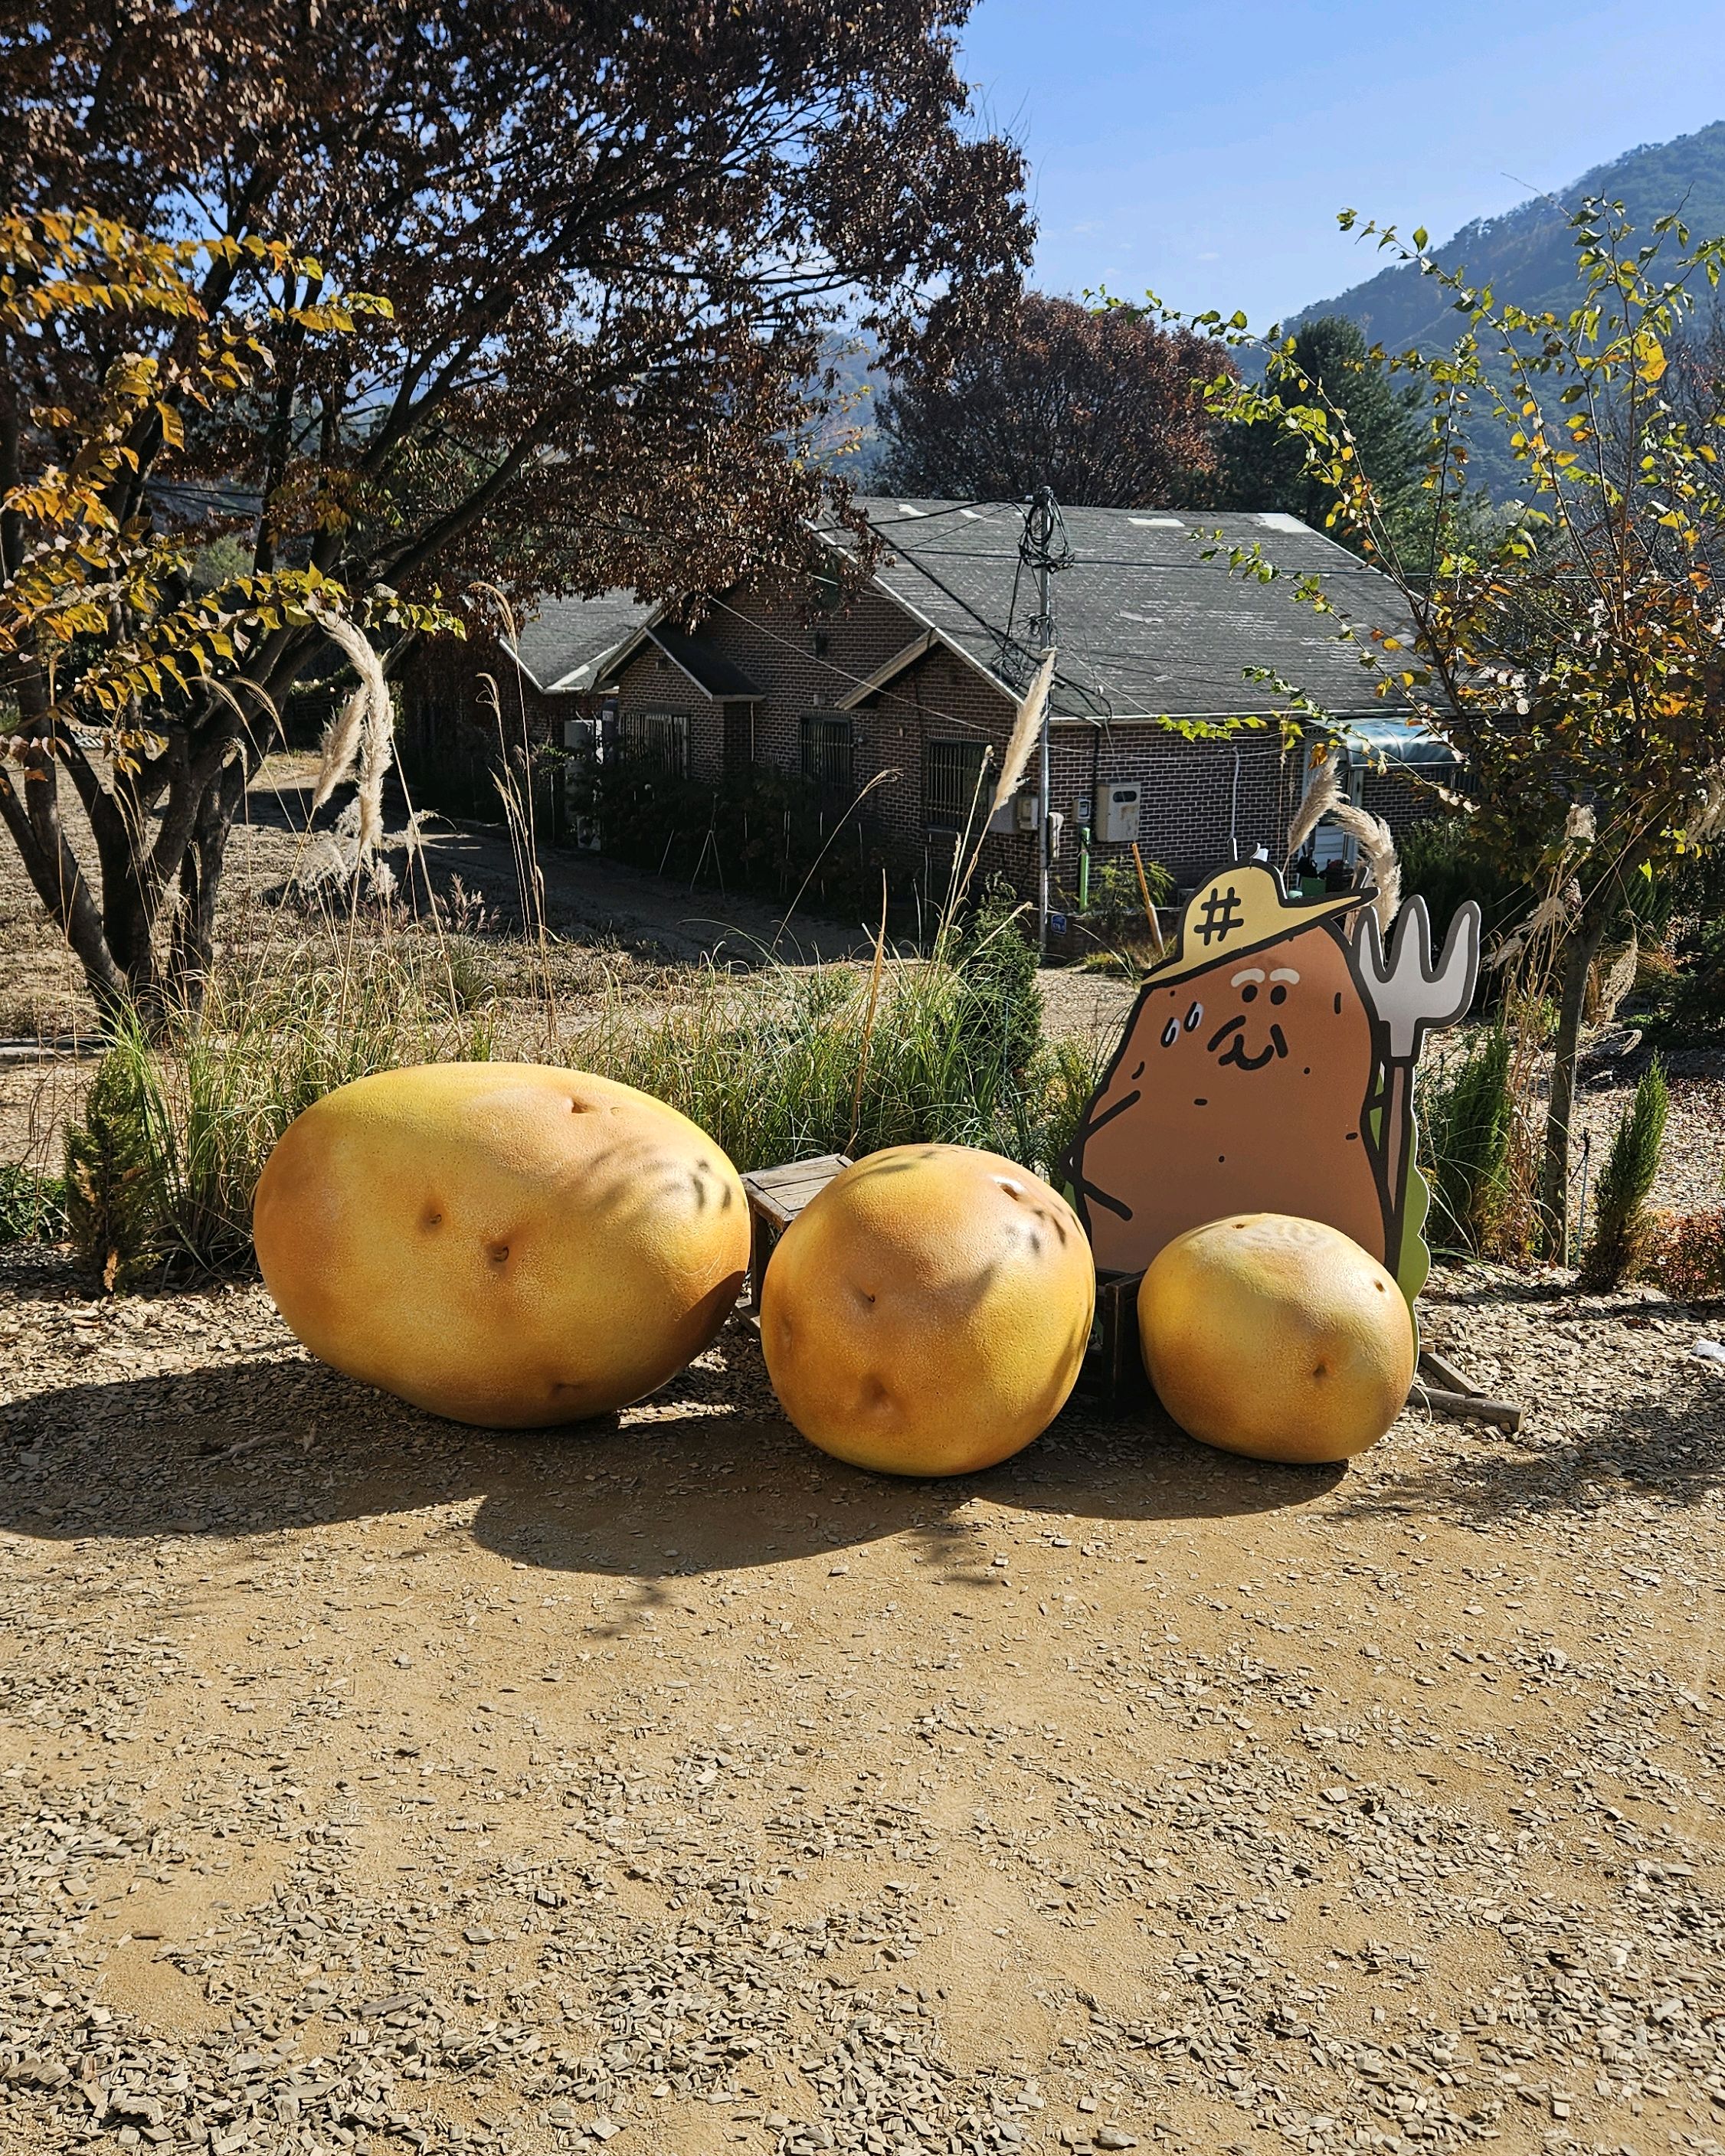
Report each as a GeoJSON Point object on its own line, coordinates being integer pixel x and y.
{"type": "Point", "coordinates": [612, 239]}
{"type": "Point", "coordinates": [1104, 406]}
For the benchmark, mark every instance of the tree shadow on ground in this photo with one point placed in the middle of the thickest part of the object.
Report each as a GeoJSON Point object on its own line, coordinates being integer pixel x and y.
{"type": "Point", "coordinates": [701, 1484]}
{"type": "Point", "coordinates": [1670, 1450]}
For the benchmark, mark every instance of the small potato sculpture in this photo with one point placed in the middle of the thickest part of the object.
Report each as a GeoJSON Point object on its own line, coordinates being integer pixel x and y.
{"type": "Point", "coordinates": [501, 1243]}
{"type": "Point", "coordinates": [1277, 1337]}
{"type": "Point", "coordinates": [927, 1313]}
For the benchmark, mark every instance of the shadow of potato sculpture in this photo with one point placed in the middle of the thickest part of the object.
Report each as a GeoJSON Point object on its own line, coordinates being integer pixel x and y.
{"type": "Point", "coordinates": [1277, 1337]}
{"type": "Point", "coordinates": [927, 1313]}
{"type": "Point", "coordinates": [501, 1243]}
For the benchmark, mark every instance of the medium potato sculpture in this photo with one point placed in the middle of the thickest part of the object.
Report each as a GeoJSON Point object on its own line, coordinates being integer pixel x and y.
{"type": "Point", "coordinates": [1275, 1337]}
{"type": "Point", "coordinates": [927, 1313]}
{"type": "Point", "coordinates": [502, 1242]}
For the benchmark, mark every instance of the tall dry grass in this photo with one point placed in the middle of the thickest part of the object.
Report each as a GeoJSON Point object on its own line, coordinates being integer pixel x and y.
{"type": "Point", "coordinates": [777, 1064]}
{"type": "Point", "coordinates": [161, 1169]}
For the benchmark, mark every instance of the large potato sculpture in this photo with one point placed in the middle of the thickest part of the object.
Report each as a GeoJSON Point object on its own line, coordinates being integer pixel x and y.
{"type": "Point", "coordinates": [927, 1313]}
{"type": "Point", "coordinates": [1275, 1337]}
{"type": "Point", "coordinates": [500, 1242]}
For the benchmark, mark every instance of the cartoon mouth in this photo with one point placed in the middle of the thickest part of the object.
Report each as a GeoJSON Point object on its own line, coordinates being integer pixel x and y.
{"type": "Point", "coordinates": [1236, 1053]}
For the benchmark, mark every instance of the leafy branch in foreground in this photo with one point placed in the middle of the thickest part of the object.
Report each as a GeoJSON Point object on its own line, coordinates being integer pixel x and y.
{"type": "Point", "coordinates": [116, 671]}
{"type": "Point", "coordinates": [1571, 652]}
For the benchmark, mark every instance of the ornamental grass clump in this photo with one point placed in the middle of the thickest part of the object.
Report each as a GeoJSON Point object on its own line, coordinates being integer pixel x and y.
{"type": "Point", "coordinates": [181, 1118]}
{"type": "Point", "coordinates": [785, 1064]}
{"type": "Point", "coordinates": [1623, 1233]}
{"type": "Point", "coordinates": [1466, 1116]}
{"type": "Point", "coordinates": [779, 1063]}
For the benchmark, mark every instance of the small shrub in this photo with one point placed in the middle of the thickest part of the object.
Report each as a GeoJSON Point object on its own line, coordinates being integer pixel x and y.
{"type": "Point", "coordinates": [1117, 899]}
{"type": "Point", "coordinates": [1467, 1121]}
{"type": "Point", "coordinates": [1441, 862]}
{"type": "Point", "coordinates": [1687, 1255]}
{"type": "Point", "coordinates": [33, 1207]}
{"type": "Point", "coordinates": [1622, 1226]}
{"type": "Point", "coordinates": [1072, 1071]}
{"type": "Point", "coordinates": [113, 1168]}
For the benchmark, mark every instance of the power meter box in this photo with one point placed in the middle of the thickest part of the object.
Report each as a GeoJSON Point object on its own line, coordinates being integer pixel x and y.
{"type": "Point", "coordinates": [1118, 824]}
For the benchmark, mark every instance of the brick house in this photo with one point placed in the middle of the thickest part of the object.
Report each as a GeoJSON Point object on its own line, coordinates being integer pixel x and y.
{"type": "Point", "coordinates": [918, 675]}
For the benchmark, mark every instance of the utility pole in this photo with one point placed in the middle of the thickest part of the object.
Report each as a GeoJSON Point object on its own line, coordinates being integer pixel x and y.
{"type": "Point", "coordinates": [1044, 550]}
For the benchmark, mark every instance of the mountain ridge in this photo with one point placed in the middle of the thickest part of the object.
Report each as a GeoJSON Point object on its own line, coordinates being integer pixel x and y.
{"type": "Point", "coordinates": [1526, 253]}
{"type": "Point", "coordinates": [1397, 305]}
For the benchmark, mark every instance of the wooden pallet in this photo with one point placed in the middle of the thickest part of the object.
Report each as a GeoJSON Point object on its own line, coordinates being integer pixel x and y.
{"type": "Point", "coordinates": [1455, 1393]}
{"type": "Point", "coordinates": [1112, 1374]}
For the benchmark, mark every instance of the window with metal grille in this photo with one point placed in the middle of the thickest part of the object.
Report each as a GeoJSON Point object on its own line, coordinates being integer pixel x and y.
{"type": "Point", "coordinates": [657, 737]}
{"type": "Point", "coordinates": [829, 749]}
{"type": "Point", "coordinates": [952, 784]}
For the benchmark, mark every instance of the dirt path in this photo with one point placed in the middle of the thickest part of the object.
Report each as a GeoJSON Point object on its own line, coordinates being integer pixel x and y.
{"type": "Point", "coordinates": [660, 1785]}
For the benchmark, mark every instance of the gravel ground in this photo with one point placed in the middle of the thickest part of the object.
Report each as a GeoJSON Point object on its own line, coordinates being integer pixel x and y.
{"type": "Point", "coordinates": [367, 1783]}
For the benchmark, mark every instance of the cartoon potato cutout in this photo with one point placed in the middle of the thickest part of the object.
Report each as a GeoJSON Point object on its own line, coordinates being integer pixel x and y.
{"type": "Point", "coordinates": [1244, 1081]}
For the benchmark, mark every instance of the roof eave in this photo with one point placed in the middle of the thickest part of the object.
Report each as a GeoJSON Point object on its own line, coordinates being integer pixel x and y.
{"type": "Point", "coordinates": [521, 665]}
{"type": "Point", "coordinates": [883, 676]}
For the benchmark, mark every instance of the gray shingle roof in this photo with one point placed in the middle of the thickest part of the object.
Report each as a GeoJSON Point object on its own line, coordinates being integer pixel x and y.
{"type": "Point", "coordinates": [1145, 625]}
{"type": "Point", "coordinates": [708, 668]}
{"type": "Point", "coordinates": [566, 638]}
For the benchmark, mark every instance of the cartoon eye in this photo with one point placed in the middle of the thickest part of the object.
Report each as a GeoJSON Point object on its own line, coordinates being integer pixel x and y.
{"type": "Point", "coordinates": [1195, 1017]}
{"type": "Point", "coordinates": [1171, 1033]}
{"type": "Point", "coordinates": [1278, 994]}
{"type": "Point", "coordinates": [1249, 994]}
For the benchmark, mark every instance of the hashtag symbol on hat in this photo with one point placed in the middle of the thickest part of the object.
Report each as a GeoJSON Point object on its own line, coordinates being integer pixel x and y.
{"type": "Point", "coordinates": [1220, 917]}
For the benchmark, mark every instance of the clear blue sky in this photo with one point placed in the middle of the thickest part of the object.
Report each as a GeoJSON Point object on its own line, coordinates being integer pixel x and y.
{"type": "Point", "coordinates": [1202, 149]}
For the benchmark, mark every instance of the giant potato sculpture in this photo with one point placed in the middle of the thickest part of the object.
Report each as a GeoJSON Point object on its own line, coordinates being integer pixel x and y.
{"type": "Point", "coordinates": [1268, 1067]}
{"type": "Point", "coordinates": [928, 1312]}
{"type": "Point", "coordinates": [1277, 1337]}
{"type": "Point", "coordinates": [502, 1242]}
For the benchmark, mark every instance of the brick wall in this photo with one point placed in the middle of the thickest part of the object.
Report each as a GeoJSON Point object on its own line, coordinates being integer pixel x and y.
{"type": "Point", "coordinates": [1398, 799]}
{"type": "Point", "coordinates": [1199, 799]}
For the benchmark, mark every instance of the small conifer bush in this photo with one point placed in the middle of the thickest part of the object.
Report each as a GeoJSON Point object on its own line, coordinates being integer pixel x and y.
{"type": "Point", "coordinates": [1623, 1226]}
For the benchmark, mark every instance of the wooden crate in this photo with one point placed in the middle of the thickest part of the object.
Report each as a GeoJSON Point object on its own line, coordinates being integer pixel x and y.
{"type": "Point", "coordinates": [775, 1196]}
{"type": "Point", "coordinates": [1112, 1373]}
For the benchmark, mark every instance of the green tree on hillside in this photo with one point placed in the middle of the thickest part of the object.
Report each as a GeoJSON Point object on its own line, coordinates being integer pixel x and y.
{"type": "Point", "coordinates": [1263, 461]}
